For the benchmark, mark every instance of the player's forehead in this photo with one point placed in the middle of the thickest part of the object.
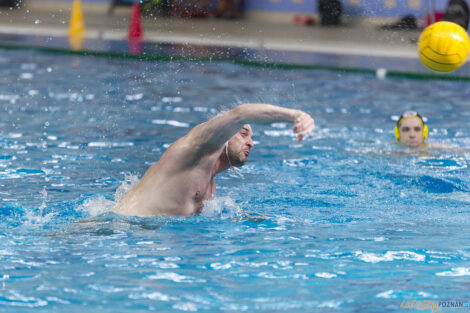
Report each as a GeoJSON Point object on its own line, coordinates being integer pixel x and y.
{"type": "Point", "coordinates": [410, 121]}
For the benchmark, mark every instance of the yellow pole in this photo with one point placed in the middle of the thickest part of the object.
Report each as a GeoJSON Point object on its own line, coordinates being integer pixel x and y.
{"type": "Point", "coordinates": [77, 26]}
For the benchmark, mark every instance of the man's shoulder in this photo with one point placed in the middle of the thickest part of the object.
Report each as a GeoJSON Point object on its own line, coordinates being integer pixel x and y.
{"type": "Point", "coordinates": [185, 154]}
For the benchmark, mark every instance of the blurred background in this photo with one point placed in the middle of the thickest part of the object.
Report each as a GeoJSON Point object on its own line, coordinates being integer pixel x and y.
{"type": "Point", "coordinates": [280, 11]}
{"type": "Point", "coordinates": [289, 28]}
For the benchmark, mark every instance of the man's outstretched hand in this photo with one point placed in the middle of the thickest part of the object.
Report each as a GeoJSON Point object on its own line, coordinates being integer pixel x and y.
{"type": "Point", "coordinates": [303, 125]}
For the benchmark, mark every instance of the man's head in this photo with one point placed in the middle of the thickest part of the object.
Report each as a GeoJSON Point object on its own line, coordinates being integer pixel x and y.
{"type": "Point", "coordinates": [238, 147]}
{"type": "Point", "coordinates": [410, 129]}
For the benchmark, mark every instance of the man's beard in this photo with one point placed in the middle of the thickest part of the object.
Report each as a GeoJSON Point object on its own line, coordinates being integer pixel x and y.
{"type": "Point", "coordinates": [237, 161]}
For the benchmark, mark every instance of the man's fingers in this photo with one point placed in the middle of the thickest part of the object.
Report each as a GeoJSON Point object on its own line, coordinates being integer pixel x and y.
{"type": "Point", "coordinates": [303, 125]}
{"type": "Point", "coordinates": [309, 125]}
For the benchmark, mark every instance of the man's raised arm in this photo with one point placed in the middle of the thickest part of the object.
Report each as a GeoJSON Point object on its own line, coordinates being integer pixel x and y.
{"type": "Point", "coordinates": [211, 135]}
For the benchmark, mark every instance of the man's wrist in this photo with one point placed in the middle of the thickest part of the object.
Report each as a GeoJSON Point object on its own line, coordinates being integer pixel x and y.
{"type": "Point", "coordinates": [296, 115]}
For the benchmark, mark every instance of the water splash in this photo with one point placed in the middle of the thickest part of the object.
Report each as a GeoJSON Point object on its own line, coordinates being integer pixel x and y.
{"type": "Point", "coordinates": [38, 217]}
{"type": "Point", "coordinates": [129, 181]}
{"type": "Point", "coordinates": [235, 172]}
{"type": "Point", "coordinates": [96, 206]}
{"type": "Point", "coordinates": [100, 205]}
{"type": "Point", "coordinates": [223, 207]}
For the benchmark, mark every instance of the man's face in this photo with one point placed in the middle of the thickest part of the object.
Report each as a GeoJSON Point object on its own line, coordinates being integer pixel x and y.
{"type": "Point", "coordinates": [411, 131]}
{"type": "Point", "coordinates": [239, 146]}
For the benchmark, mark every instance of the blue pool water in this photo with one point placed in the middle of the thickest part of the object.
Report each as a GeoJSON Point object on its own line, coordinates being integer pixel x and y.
{"type": "Point", "coordinates": [346, 221]}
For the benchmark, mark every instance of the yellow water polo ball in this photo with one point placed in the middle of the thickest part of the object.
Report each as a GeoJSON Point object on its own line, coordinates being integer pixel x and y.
{"type": "Point", "coordinates": [443, 47]}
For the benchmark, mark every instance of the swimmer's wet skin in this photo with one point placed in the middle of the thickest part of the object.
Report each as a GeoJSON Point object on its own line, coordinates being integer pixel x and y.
{"type": "Point", "coordinates": [183, 178]}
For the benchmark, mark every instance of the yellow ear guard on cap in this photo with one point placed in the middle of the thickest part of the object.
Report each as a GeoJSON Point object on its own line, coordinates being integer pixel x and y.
{"type": "Point", "coordinates": [397, 133]}
{"type": "Point", "coordinates": [407, 115]}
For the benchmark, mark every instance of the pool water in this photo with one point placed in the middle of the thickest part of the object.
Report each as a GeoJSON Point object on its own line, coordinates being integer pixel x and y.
{"type": "Point", "coordinates": [345, 221]}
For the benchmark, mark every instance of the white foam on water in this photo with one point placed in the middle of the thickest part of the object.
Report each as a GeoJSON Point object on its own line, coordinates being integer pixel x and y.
{"type": "Point", "coordinates": [152, 296]}
{"type": "Point", "coordinates": [172, 99]}
{"type": "Point", "coordinates": [200, 109]}
{"type": "Point", "coordinates": [14, 135]}
{"type": "Point", "coordinates": [165, 265]}
{"type": "Point", "coordinates": [389, 256]}
{"type": "Point", "coordinates": [73, 97]}
{"type": "Point", "coordinates": [16, 299]}
{"type": "Point", "coordinates": [220, 266]}
{"type": "Point", "coordinates": [456, 271]}
{"type": "Point", "coordinates": [106, 288]}
{"type": "Point", "coordinates": [377, 239]}
{"type": "Point", "coordinates": [387, 295]}
{"type": "Point", "coordinates": [177, 278]}
{"type": "Point", "coordinates": [96, 206]}
{"type": "Point", "coordinates": [330, 304]}
{"type": "Point", "coordinates": [135, 97]}
{"type": "Point", "coordinates": [279, 125]}
{"type": "Point", "coordinates": [26, 76]}
{"type": "Point", "coordinates": [11, 98]}
{"type": "Point", "coordinates": [224, 207]}
{"type": "Point", "coordinates": [58, 300]}
{"type": "Point", "coordinates": [177, 109]}
{"type": "Point", "coordinates": [325, 275]}
{"type": "Point", "coordinates": [101, 144]}
{"type": "Point", "coordinates": [185, 306]}
{"type": "Point", "coordinates": [425, 294]}
{"type": "Point", "coordinates": [170, 122]}
{"type": "Point", "coordinates": [278, 133]}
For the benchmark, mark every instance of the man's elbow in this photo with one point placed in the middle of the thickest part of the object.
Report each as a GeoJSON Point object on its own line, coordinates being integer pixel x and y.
{"type": "Point", "coordinates": [239, 113]}
{"type": "Point", "coordinates": [246, 112]}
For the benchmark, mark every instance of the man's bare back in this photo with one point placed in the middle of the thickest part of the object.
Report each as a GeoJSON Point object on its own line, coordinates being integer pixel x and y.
{"type": "Point", "coordinates": [180, 182]}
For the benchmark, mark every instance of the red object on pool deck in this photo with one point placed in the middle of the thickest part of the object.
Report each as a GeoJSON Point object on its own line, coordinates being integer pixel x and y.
{"type": "Point", "coordinates": [437, 17]}
{"type": "Point", "coordinates": [135, 27]}
{"type": "Point", "coordinates": [303, 20]}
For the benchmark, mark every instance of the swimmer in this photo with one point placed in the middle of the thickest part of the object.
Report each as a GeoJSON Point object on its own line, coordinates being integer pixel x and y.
{"type": "Point", "coordinates": [411, 131]}
{"type": "Point", "coordinates": [183, 178]}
